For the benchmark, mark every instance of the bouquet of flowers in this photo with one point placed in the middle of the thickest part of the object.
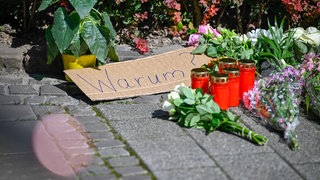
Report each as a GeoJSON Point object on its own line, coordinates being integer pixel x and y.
{"type": "Point", "coordinates": [276, 99]}
{"type": "Point", "coordinates": [192, 108]}
{"type": "Point", "coordinates": [310, 69]}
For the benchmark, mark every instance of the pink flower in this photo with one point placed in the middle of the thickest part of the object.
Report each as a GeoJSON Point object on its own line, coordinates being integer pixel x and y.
{"type": "Point", "coordinates": [141, 45]}
{"type": "Point", "coordinates": [203, 29]}
{"type": "Point", "coordinates": [206, 29]}
{"type": "Point", "coordinates": [194, 40]}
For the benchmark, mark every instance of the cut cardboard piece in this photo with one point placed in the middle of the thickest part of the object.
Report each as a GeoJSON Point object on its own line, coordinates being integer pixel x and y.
{"type": "Point", "coordinates": [150, 75]}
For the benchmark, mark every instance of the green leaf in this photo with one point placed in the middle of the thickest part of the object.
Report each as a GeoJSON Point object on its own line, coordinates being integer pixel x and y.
{"type": "Point", "coordinates": [64, 28]}
{"type": "Point", "coordinates": [177, 102]}
{"type": "Point", "coordinates": [230, 116]}
{"type": "Point", "coordinates": [189, 101]}
{"type": "Point", "coordinates": [203, 109]}
{"type": "Point", "coordinates": [200, 49]}
{"type": "Point", "coordinates": [52, 50]}
{"type": "Point", "coordinates": [95, 41]}
{"type": "Point", "coordinates": [191, 120]}
{"type": "Point", "coordinates": [83, 7]}
{"type": "Point", "coordinates": [112, 54]}
{"type": "Point", "coordinates": [187, 92]}
{"type": "Point", "coordinates": [46, 3]}
{"type": "Point", "coordinates": [215, 123]}
{"type": "Point", "coordinates": [109, 25]}
{"type": "Point", "coordinates": [211, 51]}
{"type": "Point", "coordinates": [214, 106]}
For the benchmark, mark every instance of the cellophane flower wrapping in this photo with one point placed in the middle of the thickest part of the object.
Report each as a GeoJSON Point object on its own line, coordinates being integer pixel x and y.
{"type": "Point", "coordinates": [310, 70]}
{"type": "Point", "coordinates": [276, 99]}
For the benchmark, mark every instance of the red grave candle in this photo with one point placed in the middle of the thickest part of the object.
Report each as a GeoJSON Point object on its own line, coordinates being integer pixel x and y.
{"type": "Point", "coordinates": [247, 75]}
{"type": "Point", "coordinates": [234, 85]}
{"type": "Point", "coordinates": [227, 63]}
{"type": "Point", "coordinates": [200, 79]}
{"type": "Point", "coordinates": [219, 89]}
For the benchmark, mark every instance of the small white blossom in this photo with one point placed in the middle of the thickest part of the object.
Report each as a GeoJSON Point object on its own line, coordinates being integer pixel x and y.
{"type": "Point", "coordinates": [173, 95]}
{"type": "Point", "coordinates": [167, 106]}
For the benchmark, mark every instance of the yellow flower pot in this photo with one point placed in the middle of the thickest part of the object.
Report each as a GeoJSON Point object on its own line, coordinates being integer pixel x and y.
{"type": "Point", "coordinates": [70, 62]}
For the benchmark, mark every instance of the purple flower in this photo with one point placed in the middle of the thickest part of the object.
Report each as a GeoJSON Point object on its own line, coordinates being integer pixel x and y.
{"type": "Point", "coordinates": [207, 29]}
{"type": "Point", "coordinates": [203, 29]}
{"type": "Point", "coordinates": [194, 40]}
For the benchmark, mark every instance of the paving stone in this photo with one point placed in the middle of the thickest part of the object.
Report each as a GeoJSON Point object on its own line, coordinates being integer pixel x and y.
{"type": "Point", "coordinates": [310, 171]}
{"type": "Point", "coordinates": [10, 99]}
{"type": "Point", "coordinates": [137, 177]}
{"type": "Point", "coordinates": [149, 99]}
{"type": "Point", "coordinates": [95, 127]}
{"type": "Point", "coordinates": [221, 143]}
{"type": "Point", "coordinates": [109, 144]}
{"type": "Point", "coordinates": [191, 173]}
{"type": "Point", "coordinates": [113, 152]}
{"type": "Point", "coordinates": [63, 101]}
{"type": "Point", "coordinates": [16, 112]}
{"type": "Point", "coordinates": [81, 110]}
{"type": "Point", "coordinates": [26, 166]}
{"type": "Point", "coordinates": [101, 136]}
{"type": "Point", "coordinates": [256, 166]}
{"type": "Point", "coordinates": [10, 80]}
{"type": "Point", "coordinates": [22, 89]}
{"type": "Point", "coordinates": [2, 89]}
{"type": "Point", "coordinates": [130, 170]}
{"type": "Point", "coordinates": [171, 153]}
{"type": "Point", "coordinates": [35, 100]}
{"type": "Point", "coordinates": [132, 111]}
{"type": "Point", "coordinates": [98, 170]}
{"type": "Point", "coordinates": [305, 154]}
{"type": "Point", "coordinates": [47, 109]}
{"type": "Point", "coordinates": [50, 90]}
{"type": "Point", "coordinates": [123, 161]}
{"type": "Point", "coordinates": [48, 152]}
{"type": "Point", "coordinates": [136, 129]}
{"type": "Point", "coordinates": [99, 177]}
{"type": "Point", "coordinates": [16, 137]}
{"type": "Point", "coordinates": [86, 120]}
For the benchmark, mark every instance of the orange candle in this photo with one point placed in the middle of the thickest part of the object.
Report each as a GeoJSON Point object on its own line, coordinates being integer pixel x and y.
{"type": "Point", "coordinates": [247, 75]}
{"type": "Point", "coordinates": [227, 63]}
{"type": "Point", "coordinates": [234, 85]}
{"type": "Point", "coordinates": [200, 79]}
{"type": "Point", "coordinates": [219, 89]}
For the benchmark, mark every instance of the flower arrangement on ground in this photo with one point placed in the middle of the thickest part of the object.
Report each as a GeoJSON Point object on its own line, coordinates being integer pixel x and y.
{"type": "Point", "coordinates": [191, 108]}
{"type": "Point", "coordinates": [310, 71]}
{"type": "Point", "coordinates": [276, 99]}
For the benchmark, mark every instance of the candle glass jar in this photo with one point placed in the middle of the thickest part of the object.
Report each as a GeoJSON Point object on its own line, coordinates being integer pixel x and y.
{"type": "Point", "coordinates": [234, 85]}
{"type": "Point", "coordinates": [200, 79]}
{"type": "Point", "coordinates": [219, 89]}
{"type": "Point", "coordinates": [247, 75]}
{"type": "Point", "coordinates": [227, 63]}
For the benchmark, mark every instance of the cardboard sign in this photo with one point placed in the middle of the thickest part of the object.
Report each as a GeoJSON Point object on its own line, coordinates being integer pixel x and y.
{"type": "Point", "coordinates": [150, 75]}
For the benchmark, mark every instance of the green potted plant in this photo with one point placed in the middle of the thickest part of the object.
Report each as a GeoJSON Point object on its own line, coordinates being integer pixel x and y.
{"type": "Point", "coordinates": [79, 29]}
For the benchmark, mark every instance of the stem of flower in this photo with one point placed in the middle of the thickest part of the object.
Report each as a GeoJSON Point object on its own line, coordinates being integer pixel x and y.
{"type": "Point", "coordinates": [234, 127]}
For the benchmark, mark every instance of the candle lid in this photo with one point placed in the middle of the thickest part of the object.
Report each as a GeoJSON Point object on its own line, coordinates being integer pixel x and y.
{"type": "Point", "coordinates": [199, 72]}
{"type": "Point", "coordinates": [246, 63]}
{"type": "Point", "coordinates": [232, 71]}
{"type": "Point", "coordinates": [228, 61]}
{"type": "Point", "coordinates": [220, 78]}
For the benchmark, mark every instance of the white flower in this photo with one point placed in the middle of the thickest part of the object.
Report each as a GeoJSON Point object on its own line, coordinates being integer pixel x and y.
{"type": "Point", "coordinates": [178, 88]}
{"type": "Point", "coordinates": [167, 106]}
{"type": "Point", "coordinates": [173, 95]}
{"type": "Point", "coordinates": [311, 35]}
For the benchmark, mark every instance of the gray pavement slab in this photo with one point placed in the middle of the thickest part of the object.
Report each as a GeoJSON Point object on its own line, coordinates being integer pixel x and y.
{"type": "Point", "coordinates": [16, 112]}
{"type": "Point", "coordinates": [199, 173]}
